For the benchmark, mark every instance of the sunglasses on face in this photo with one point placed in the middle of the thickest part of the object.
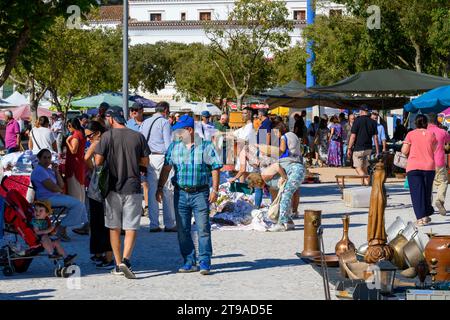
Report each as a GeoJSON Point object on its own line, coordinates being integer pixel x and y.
{"type": "Point", "coordinates": [89, 136]}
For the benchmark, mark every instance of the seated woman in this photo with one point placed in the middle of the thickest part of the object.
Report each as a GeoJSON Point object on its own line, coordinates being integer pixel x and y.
{"type": "Point", "coordinates": [49, 186]}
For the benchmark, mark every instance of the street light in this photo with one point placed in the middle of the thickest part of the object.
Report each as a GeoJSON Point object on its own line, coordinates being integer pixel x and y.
{"type": "Point", "coordinates": [125, 60]}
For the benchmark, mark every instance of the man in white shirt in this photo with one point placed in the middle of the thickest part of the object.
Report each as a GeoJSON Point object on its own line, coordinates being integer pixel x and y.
{"type": "Point", "coordinates": [57, 129]}
{"type": "Point", "coordinates": [205, 129]}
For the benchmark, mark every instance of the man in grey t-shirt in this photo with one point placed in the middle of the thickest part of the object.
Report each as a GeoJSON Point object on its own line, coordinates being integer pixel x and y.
{"type": "Point", "coordinates": [125, 151]}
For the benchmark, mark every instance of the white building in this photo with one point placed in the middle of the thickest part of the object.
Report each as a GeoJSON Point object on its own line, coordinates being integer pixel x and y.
{"type": "Point", "coordinates": [183, 20]}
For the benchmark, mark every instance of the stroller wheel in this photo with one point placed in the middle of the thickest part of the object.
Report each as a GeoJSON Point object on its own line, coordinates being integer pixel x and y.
{"type": "Point", "coordinates": [65, 273]}
{"type": "Point", "coordinates": [57, 272]}
{"type": "Point", "coordinates": [8, 271]}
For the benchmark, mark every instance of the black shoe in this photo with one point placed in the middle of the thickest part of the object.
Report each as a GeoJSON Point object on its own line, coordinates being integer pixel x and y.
{"type": "Point", "coordinates": [106, 265]}
{"type": "Point", "coordinates": [173, 229]}
{"type": "Point", "coordinates": [158, 229]}
{"type": "Point", "coordinates": [125, 267]}
{"type": "Point", "coordinates": [69, 259]}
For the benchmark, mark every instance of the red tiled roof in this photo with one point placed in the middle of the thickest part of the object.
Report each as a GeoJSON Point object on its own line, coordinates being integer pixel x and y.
{"type": "Point", "coordinates": [108, 13]}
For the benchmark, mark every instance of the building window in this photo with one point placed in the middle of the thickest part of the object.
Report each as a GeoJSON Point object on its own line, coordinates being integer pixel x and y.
{"type": "Point", "coordinates": [183, 16]}
{"type": "Point", "coordinates": [155, 16]}
{"type": "Point", "coordinates": [335, 12]}
{"type": "Point", "coordinates": [300, 15]}
{"type": "Point", "coordinates": [205, 15]}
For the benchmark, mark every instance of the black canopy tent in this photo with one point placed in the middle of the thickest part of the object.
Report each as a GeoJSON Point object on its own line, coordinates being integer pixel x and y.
{"type": "Point", "coordinates": [338, 101]}
{"type": "Point", "coordinates": [383, 82]}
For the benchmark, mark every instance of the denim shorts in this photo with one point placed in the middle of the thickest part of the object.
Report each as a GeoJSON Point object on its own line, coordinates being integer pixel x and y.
{"type": "Point", "coordinates": [123, 211]}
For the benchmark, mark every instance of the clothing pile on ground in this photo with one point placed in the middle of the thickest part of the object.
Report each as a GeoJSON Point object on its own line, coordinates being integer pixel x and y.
{"type": "Point", "coordinates": [235, 211]}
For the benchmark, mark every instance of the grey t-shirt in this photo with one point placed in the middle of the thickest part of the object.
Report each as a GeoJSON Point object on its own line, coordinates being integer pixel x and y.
{"type": "Point", "coordinates": [123, 148]}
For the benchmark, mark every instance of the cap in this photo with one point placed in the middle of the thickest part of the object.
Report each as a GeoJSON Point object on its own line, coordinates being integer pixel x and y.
{"type": "Point", "coordinates": [45, 204]}
{"type": "Point", "coordinates": [183, 122]}
{"type": "Point", "coordinates": [206, 114]}
{"type": "Point", "coordinates": [116, 113]}
{"type": "Point", "coordinates": [364, 107]}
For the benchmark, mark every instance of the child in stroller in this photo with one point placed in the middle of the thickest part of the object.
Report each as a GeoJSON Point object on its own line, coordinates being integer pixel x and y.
{"type": "Point", "coordinates": [43, 228]}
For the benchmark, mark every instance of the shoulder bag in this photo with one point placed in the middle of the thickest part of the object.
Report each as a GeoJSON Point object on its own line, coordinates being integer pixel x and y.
{"type": "Point", "coordinates": [400, 160]}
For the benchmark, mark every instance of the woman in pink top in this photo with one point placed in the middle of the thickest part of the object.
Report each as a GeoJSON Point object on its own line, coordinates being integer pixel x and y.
{"type": "Point", "coordinates": [419, 146]}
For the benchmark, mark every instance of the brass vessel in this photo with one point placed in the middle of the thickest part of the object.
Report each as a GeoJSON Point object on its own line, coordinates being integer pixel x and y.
{"type": "Point", "coordinates": [312, 221]}
{"type": "Point", "coordinates": [345, 244]}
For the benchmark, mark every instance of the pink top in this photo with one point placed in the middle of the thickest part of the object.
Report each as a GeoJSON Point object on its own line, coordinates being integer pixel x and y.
{"type": "Point", "coordinates": [442, 138]}
{"type": "Point", "coordinates": [421, 152]}
{"type": "Point", "coordinates": [12, 130]}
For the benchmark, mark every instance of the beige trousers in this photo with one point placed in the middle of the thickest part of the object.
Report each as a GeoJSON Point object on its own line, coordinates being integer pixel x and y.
{"type": "Point", "coordinates": [75, 189]}
{"type": "Point", "coordinates": [441, 183]}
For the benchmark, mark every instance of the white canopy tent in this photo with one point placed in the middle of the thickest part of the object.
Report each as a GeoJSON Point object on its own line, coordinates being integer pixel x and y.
{"type": "Point", "coordinates": [17, 99]}
{"type": "Point", "coordinates": [5, 104]}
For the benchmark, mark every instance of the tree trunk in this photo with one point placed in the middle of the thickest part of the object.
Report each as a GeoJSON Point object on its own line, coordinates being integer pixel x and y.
{"type": "Point", "coordinates": [239, 99]}
{"type": "Point", "coordinates": [11, 59]}
{"type": "Point", "coordinates": [33, 108]}
{"type": "Point", "coordinates": [418, 58]}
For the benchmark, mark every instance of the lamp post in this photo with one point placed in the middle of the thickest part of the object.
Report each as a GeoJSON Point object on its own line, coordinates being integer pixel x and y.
{"type": "Point", "coordinates": [310, 18]}
{"type": "Point", "coordinates": [125, 60]}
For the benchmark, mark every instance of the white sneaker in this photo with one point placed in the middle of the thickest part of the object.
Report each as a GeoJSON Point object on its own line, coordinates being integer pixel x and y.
{"type": "Point", "coordinates": [289, 226]}
{"type": "Point", "coordinates": [277, 228]}
{"type": "Point", "coordinates": [441, 208]}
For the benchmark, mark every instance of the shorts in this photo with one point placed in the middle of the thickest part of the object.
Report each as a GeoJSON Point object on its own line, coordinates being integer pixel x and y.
{"type": "Point", "coordinates": [123, 211]}
{"type": "Point", "coordinates": [361, 158]}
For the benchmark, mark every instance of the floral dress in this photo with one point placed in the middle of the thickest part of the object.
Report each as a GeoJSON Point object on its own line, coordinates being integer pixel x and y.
{"type": "Point", "coordinates": [335, 147]}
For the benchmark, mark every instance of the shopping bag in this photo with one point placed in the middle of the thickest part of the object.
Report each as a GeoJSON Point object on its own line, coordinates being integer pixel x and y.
{"type": "Point", "coordinates": [274, 210]}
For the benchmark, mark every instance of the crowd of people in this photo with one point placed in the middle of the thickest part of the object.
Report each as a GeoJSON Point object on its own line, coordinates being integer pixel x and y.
{"type": "Point", "coordinates": [175, 160]}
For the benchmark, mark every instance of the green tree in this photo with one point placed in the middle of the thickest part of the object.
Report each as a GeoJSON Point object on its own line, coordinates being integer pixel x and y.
{"type": "Point", "coordinates": [152, 65]}
{"type": "Point", "coordinates": [24, 23]}
{"type": "Point", "coordinates": [259, 27]}
{"type": "Point", "coordinates": [196, 75]}
{"type": "Point", "coordinates": [74, 62]}
{"type": "Point", "coordinates": [290, 64]}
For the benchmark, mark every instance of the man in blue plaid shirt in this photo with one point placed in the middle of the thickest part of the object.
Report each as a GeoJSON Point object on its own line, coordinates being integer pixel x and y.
{"type": "Point", "coordinates": [196, 165]}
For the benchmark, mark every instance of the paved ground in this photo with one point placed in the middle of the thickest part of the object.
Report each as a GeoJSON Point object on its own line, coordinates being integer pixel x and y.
{"type": "Point", "coordinates": [247, 264]}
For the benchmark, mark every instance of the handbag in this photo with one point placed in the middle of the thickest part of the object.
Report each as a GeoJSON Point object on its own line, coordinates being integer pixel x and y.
{"type": "Point", "coordinates": [94, 188]}
{"type": "Point", "coordinates": [274, 210]}
{"type": "Point", "coordinates": [400, 160]}
{"type": "Point", "coordinates": [104, 183]}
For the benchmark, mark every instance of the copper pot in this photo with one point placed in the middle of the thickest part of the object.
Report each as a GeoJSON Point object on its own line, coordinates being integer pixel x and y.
{"type": "Point", "coordinates": [344, 244]}
{"type": "Point", "coordinates": [312, 221]}
{"type": "Point", "coordinates": [412, 253]}
{"type": "Point", "coordinates": [398, 244]}
{"type": "Point", "coordinates": [439, 248]}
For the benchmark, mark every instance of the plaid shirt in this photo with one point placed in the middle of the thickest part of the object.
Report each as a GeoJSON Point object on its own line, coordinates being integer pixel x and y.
{"type": "Point", "coordinates": [192, 167]}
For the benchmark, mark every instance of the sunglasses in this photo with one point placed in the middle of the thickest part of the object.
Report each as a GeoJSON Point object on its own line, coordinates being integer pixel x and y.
{"type": "Point", "coordinates": [134, 110]}
{"type": "Point", "coordinates": [89, 136]}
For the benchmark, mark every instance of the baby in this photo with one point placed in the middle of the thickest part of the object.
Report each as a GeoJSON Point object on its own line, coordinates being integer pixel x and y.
{"type": "Point", "coordinates": [43, 228]}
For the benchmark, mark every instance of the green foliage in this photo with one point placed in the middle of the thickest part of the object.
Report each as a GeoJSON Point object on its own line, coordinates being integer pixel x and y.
{"type": "Point", "coordinates": [412, 34]}
{"type": "Point", "coordinates": [76, 62]}
{"type": "Point", "coordinates": [290, 64]}
{"type": "Point", "coordinates": [259, 27]}
{"type": "Point", "coordinates": [152, 65]}
{"type": "Point", "coordinates": [23, 25]}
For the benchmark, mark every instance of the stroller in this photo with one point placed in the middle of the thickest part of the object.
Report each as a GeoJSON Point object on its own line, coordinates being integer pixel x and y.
{"type": "Point", "coordinates": [17, 216]}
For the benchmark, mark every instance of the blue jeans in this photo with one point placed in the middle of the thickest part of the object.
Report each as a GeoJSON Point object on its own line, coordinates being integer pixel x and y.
{"type": "Point", "coordinates": [344, 154]}
{"type": "Point", "coordinates": [12, 150]}
{"type": "Point", "coordinates": [76, 210]}
{"type": "Point", "coordinates": [198, 204]}
{"type": "Point", "coordinates": [258, 197]}
{"type": "Point", "coordinates": [421, 188]}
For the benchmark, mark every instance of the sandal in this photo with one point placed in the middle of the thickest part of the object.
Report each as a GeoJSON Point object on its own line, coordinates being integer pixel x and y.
{"type": "Point", "coordinates": [421, 223]}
